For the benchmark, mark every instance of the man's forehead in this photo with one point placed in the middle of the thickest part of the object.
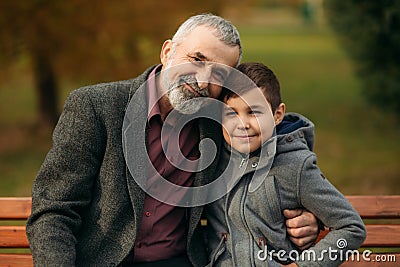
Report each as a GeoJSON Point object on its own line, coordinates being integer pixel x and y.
{"type": "Point", "coordinates": [203, 42]}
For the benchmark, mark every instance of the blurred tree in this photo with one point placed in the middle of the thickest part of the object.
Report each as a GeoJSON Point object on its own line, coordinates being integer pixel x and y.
{"type": "Point", "coordinates": [98, 40]}
{"type": "Point", "coordinates": [370, 32]}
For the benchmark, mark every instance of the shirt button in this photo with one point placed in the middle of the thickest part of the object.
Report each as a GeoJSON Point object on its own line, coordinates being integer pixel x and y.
{"type": "Point", "coordinates": [147, 213]}
{"type": "Point", "coordinates": [254, 164]}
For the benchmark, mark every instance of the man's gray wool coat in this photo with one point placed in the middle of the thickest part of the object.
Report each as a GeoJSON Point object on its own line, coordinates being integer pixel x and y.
{"type": "Point", "coordinates": [86, 205]}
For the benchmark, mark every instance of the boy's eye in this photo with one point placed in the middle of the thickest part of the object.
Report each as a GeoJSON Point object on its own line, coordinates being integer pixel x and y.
{"type": "Point", "coordinates": [255, 112]}
{"type": "Point", "coordinates": [230, 113]}
{"type": "Point", "coordinates": [220, 76]}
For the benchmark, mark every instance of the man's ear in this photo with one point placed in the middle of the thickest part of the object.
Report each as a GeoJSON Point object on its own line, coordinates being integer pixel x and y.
{"type": "Point", "coordinates": [165, 52]}
{"type": "Point", "coordinates": [279, 113]}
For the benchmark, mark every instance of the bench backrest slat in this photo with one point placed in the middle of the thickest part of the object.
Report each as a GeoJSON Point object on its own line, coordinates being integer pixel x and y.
{"type": "Point", "coordinates": [13, 237]}
{"type": "Point", "coordinates": [20, 260]}
{"type": "Point", "coordinates": [15, 208]}
{"type": "Point", "coordinates": [376, 206]}
{"type": "Point", "coordinates": [382, 235]}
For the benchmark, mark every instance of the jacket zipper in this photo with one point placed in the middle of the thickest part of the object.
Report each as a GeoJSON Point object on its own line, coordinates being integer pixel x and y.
{"type": "Point", "coordinates": [251, 245]}
{"type": "Point", "coordinates": [242, 209]}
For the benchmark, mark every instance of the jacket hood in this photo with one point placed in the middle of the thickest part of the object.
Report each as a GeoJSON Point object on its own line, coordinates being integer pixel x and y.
{"type": "Point", "coordinates": [295, 132]}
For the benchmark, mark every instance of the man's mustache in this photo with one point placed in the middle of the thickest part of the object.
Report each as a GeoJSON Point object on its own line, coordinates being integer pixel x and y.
{"type": "Point", "coordinates": [192, 82]}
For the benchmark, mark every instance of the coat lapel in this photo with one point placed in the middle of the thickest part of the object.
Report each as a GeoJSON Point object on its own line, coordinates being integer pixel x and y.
{"type": "Point", "coordinates": [134, 141]}
{"type": "Point", "coordinates": [208, 129]}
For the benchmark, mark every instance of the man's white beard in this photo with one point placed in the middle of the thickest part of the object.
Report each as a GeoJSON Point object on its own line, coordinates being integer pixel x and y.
{"type": "Point", "coordinates": [183, 100]}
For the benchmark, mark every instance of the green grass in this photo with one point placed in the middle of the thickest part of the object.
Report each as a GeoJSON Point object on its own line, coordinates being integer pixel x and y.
{"type": "Point", "coordinates": [357, 145]}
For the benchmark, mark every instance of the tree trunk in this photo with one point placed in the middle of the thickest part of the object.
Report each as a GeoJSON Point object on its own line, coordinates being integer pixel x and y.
{"type": "Point", "coordinates": [46, 89]}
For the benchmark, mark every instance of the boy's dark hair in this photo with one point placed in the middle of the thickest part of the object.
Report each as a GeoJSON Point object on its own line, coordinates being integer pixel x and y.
{"type": "Point", "coordinates": [261, 76]}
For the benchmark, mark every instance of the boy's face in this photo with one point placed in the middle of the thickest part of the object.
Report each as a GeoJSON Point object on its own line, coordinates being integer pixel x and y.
{"type": "Point", "coordinates": [247, 121]}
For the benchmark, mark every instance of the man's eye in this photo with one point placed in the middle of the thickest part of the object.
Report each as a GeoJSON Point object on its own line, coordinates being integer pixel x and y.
{"type": "Point", "coordinates": [196, 60]}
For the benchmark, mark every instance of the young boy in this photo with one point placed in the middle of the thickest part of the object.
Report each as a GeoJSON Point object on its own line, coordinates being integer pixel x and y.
{"type": "Point", "coordinates": [279, 171]}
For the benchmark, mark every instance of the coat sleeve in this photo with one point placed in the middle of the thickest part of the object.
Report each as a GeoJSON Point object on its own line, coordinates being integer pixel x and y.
{"type": "Point", "coordinates": [62, 188]}
{"type": "Point", "coordinates": [320, 197]}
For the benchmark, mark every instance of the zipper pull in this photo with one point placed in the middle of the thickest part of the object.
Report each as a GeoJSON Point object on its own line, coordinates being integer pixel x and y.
{"type": "Point", "coordinates": [224, 236]}
{"type": "Point", "coordinates": [261, 241]}
{"type": "Point", "coordinates": [242, 163]}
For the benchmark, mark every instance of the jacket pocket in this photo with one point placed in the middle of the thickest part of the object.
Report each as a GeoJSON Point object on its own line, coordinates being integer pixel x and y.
{"type": "Point", "coordinates": [219, 250]}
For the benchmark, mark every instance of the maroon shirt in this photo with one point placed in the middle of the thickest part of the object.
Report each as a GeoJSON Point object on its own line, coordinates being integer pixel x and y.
{"type": "Point", "coordinates": [163, 228]}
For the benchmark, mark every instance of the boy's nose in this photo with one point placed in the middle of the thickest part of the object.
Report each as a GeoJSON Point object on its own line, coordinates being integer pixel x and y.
{"type": "Point", "coordinates": [243, 123]}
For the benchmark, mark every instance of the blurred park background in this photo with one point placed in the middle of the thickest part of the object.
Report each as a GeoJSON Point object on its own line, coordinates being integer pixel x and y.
{"type": "Point", "coordinates": [48, 48]}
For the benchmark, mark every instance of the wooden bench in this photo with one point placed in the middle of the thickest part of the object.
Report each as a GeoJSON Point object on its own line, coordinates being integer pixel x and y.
{"type": "Point", "coordinates": [13, 212]}
{"type": "Point", "coordinates": [381, 215]}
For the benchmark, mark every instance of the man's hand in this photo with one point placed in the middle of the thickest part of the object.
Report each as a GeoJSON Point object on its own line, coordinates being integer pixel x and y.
{"type": "Point", "coordinates": [290, 265]}
{"type": "Point", "coordinates": [302, 227]}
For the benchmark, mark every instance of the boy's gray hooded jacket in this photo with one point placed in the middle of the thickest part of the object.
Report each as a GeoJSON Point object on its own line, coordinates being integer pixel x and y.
{"type": "Point", "coordinates": [246, 226]}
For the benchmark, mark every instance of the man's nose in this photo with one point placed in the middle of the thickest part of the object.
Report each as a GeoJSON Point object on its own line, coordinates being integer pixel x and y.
{"type": "Point", "coordinates": [203, 77]}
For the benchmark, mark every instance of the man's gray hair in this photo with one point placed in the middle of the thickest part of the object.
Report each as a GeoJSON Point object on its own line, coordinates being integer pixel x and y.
{"type": "Point", "coordinates": [225, 31]}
